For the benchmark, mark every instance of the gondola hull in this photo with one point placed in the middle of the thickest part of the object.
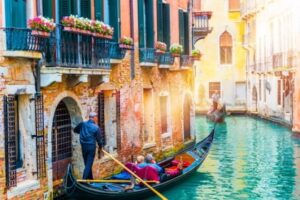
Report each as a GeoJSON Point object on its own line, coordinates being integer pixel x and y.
{"type": "Point", "coordinates": [76, 190]}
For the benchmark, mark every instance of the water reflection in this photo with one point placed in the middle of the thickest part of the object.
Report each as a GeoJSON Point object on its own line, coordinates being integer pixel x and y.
{"type": "Point", "coordinates": [250, 159]}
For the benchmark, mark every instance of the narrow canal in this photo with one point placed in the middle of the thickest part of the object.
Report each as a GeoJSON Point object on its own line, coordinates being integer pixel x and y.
{"type": "Point", "coordinates": [250, 159]}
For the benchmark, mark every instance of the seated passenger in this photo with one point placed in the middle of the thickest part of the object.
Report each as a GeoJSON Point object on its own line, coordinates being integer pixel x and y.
{"type": "Point", "coordinates": [140, 159]}
{"type": "Point", "coordinates": [149, 161]}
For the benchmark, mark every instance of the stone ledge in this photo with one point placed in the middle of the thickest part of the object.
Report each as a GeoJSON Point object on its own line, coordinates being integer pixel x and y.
{"type": "Point", "coordinates": [115, 61]}
{"type": "Point", "coordinates": [66, 70]}
{"type": "Point", "coordinates": [23, 54]}
{"type": "Point", "coordinates": [165, 135]}
{"type": "Point", "coordinates": [148, 64]}
{"type": "Point", "coordinates": [22, 188]}
{"type": "Point", "coordinates": [164, 66]}
{"type": "Point", "coordinates": [149, 145]}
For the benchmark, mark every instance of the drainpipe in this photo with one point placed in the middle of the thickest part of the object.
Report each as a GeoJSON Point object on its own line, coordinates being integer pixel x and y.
{"type": "Point", "coordinates": [57, 32]}
{"type": "Point", "coordinates": [132, 66]}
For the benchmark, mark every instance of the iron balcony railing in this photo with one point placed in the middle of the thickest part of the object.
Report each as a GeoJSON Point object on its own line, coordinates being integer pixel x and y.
{"type": "Point", "coordinates": [20, 39]}
{"type": "Point", "coordinates": [166, 59]}
{"type": "Point", "coordinates": [186, 61]}
{"type": "Point", "coordinates": [116, 52]}
{"type": "Point", "coordinates": [148, 55]}
{"type": "Point", "coordinates": [77, 50]}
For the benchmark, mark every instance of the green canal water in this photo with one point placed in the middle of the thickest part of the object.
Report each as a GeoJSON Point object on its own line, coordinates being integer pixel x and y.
{"type": "Point", "coordinates": [249, 159]}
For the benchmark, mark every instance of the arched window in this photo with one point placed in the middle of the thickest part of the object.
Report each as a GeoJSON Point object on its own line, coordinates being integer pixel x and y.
{"type": "Point", "coordinates": [225, 48]}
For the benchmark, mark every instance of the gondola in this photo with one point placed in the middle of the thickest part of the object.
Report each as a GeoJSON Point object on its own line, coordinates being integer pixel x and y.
{"type": "Point", "coordinates": [194, 155]}
{"type": "Point", "coordinates": [217, 116]}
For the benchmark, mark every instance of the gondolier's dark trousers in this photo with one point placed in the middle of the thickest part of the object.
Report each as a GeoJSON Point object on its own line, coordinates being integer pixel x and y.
{"type": "Point", "coordinates": [88, 153]}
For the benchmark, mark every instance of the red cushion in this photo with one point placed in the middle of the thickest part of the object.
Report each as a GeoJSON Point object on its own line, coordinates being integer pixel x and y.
{"type": "Point", "coordinates": [176, 162]}
{"type": "Point", "coordinates": [172, 170]}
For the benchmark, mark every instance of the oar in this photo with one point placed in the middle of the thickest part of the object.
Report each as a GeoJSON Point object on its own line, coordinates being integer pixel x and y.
{"type": "Point", "coordinates": [136, 176]}
{"type": "Point", "coordinates": [109, 181]}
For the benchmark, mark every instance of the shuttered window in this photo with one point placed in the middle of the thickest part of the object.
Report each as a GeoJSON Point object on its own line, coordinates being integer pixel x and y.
{"type": "Point", "coordinates": [114, 17]}
{"type": "Point", "coordinates": [234, 5]}
{"type": "Point", "coordinates": [164, 114]}
{"type": "Point", "coordinates": [85, 8]}
{"type": "Point", "coordinates": [99, 9]}
{"type": "Point", "coordinates": [67, 7]}
{"type": "Point", "coordinates": [181, 27]}
{"type": "Point", "coordinates": [160, 22]}
{"type": "Point", "coordinates": [15, 13]}
{"type": "Point", "coordinates": [225, 48]}
{"type": "Point", "coordinates": [184, 30]}
{"type": "Point", "coordinates": [163, 22]}
{"type": "Point", "coordinates": [47, 8]}
{"type": "Point", "coordinates": [146, 27]}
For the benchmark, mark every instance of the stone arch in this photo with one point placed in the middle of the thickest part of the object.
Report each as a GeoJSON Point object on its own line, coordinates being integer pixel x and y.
{"type": "Point", "coordinates": [75, 112]}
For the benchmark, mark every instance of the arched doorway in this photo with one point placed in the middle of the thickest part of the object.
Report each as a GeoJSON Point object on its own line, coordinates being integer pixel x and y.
{"type": "Point", "coordinates": [254, 99]}
{"type": "Point", "coordinates": [187, 118]}
{"type": "Point", "coordinates": [61, 141]}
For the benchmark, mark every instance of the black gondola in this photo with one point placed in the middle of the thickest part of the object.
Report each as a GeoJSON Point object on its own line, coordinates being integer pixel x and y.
{"type": "Point", "coordinates": [196, 155]}
{"type": "Point", "coordinates": [217, 116]}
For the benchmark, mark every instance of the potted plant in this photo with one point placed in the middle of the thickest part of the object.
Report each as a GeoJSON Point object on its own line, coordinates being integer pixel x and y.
{"type": "Point", "coordinates": [69, 23]}
{"type": "Point", "coordinates": [160, 47]}
{"type": "Point", "coordinates": [196, 54]}
{"type": "Point", "coordinates": [126, 42]}
{"type": "Point", "coordinates": [41, 26]}
{"type": "Point", "coordinates": [176, 50]}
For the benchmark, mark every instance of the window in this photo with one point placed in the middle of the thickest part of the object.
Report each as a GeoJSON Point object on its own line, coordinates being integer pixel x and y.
{"type": "Point", "coordinates": [279, 92]}
{"type": "Point", "coordinates": [234, 5]}
{"type": "Point", "coordinates": [225, 48]}
{"type": "Point", "coordinates": [259, 88]}
{"type": "Point", "coordinates": [145, 18]}
{"type": "Point", "coordinates": [163, 22]}
{"type": "Point", "coordinates": [184, 30]}
{"type": "Point", "coordinates": [240, 91]}
{"type": "Point", "coordinates": [67, 7]}
{"type": "Point", "coordinates": [47, 9]}
{"type": "Point", "coordinates": [148, 121]}
{"type": "Point", "coordinates": [163, 114]}
{"type": "Point", "coordinates": [214, 87]}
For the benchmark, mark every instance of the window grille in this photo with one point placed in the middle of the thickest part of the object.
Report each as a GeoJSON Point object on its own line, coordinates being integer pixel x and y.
{"type": "Point", "coordinates": [118, 119]}
{"type": "Point", "coordinates": [101, 111]}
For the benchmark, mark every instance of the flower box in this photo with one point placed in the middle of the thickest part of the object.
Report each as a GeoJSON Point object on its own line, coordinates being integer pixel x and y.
{"type": "Point", "coordinates": [158, 51]}
{"type": "Point", "coordinates": [126, 46]}
{"type": "Point", "coordinates": [176, 54]}
{"type": "Point", "coordinates": [196, 57]}
{"type": "Point", "coordinates": [160, 47]}
{"type": "Point", "coordinates": [176, 50]}
{"type": "Point", "coordinates": [40, 33]}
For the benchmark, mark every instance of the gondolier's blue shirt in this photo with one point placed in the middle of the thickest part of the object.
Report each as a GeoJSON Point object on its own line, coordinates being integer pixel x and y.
{"type": "Point", "coordinates": [90, 133]}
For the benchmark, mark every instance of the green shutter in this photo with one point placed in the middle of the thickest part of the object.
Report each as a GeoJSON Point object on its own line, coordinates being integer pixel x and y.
{"type": "Point", "coordinates": [47, 8]}
{"type": "Point", "coordinates": [141, 19]}
{"type": "Point", "coordinates": [85, 8]}
{"type": "Point", "coordinates": [114, 17]}
{"type": "Point", "coordinates": [166, 22]}
{"type": "Point", "coordinates": [149, 23]}
{"type": "Point", "coordinates": [160, 24]}
{"type": "Point", "coordinates": [99, 10]}
{"type": "Point", "coordinates": [181, 27]}
{"type": "Point", "coordinates": [15, 13]}
{"type": "Point", "coordinates": [186, 33]}
{"type": "Point", "coordinates": [67, 7]}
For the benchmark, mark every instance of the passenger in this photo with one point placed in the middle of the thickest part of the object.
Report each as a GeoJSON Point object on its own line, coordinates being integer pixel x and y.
{"type": "Point", "coordinates": [149, 161]}
{"type": "Point", "coordinates": [140, 159]}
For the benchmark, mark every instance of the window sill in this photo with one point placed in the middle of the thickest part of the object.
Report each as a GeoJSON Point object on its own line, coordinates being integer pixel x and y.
{"type": "Point", "coordinates": [149, 145]}
{"type": "Point", "coordinates": [165, 135]}
{"type": "Point", "coordinates": [22, 188]}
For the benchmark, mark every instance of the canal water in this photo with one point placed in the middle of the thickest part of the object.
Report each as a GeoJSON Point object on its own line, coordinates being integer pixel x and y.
{"type": "Point", "coordinates": [249, 159]}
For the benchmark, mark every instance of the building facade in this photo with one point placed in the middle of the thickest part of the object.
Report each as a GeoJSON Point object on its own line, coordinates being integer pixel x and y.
{"type": "Point", "coordinates": [222, 66]}
{"type": "Point", "coordinates": [272, 58]}
{"type": "Point", "coordinates": [144, 100]}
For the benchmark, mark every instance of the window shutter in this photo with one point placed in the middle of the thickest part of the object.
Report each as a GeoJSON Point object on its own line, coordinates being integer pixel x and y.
{"type": "Point", "coordinates": [141, 19]}
{"type": "Point", "coordinates": [181, 27]}
{"type": "Point", "coordinates": [15, 14]}
{"type": "Point", "coordinates": [149, 24]}
{"type": "Point", "coordinates": [67, 7]}
{"type": "Point", "coordinates": [47, 8]}
{"type": "Point", "coordinates": [160, 25]}
{"type": "Point", "coordinates": [10, 140]}
{"type": "Point", "coordinates": [114, 17]}
{"type": "Point", "coordinates": [85, 8]}
{"type": "Point", "coordinates": [101, 111]}
{"type": "Point", "coordinates": [166, 26]}
{"type": "Point", "coordinates": [99, 10]}
{"type": "Point", "coordinates": [186, 33]}
{"type": "Point", "coordinates": [118, 119]}
{"type": "Point", "coordinates": [40, 137]}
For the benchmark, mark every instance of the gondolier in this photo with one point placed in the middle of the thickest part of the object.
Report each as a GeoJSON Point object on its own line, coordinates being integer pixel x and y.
{"type": "Point", "coordinates": [90, 133]}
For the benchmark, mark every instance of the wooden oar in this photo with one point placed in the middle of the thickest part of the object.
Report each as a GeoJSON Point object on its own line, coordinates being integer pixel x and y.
{"type": "Point", "coordinates": [136, 176]}
{"type": "Point", "coordinates": [109, 181]}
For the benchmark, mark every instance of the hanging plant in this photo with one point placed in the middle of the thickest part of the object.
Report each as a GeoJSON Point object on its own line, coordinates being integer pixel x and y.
{"type": "Point", "coordinates": [126, 43]}
{"type": "Point", "coordinates": [41, 26]}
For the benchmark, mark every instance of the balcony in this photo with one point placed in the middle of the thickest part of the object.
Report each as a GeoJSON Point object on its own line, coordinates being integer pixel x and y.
{"type": "Point", "coordinates": [20, 43]}
{"type": "Point", "coordinates": [201, 25]}
{"type": "Point", "coordinates": [77, 50]}
{"type": "Point", "coordinates": [148, 57]}
{"type": "Point", "coordinates": [116, 54]}
{"type": "Point", "coordinates": [165, 60]}
{"type": "Point", "coordinates": [186, 62]}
